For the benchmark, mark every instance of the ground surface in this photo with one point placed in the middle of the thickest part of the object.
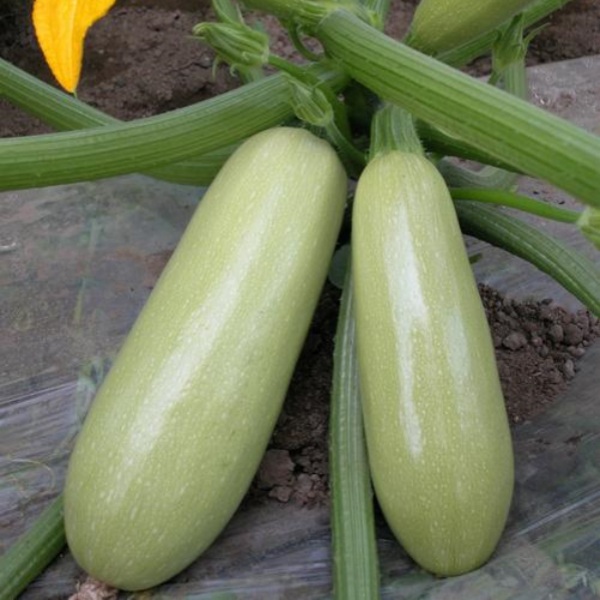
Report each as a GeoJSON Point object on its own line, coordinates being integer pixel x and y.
{"type": "Point", "coordinates": [140, 60]}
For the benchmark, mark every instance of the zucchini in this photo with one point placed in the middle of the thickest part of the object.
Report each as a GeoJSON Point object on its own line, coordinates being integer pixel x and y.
{"type": "Point", "coordinates": [442, 25]}
{"type": "Point", "coordinates": [181, 422]}
{"type": "Point", "coordinates": [436, 428]}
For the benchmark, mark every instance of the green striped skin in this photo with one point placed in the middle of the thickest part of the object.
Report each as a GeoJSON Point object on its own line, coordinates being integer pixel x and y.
{"type": "Point", "coordinates": [180, 425]}
{"type": "Point", "coordinates": [437, 433]}
{"type": "Point", "coordinates": [442, 25]}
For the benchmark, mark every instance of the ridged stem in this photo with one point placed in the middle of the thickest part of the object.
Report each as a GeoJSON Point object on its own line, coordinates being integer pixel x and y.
{"type": "Point", "coordinates": [487, 177]}
{"type": "Point", "coordinates": [145, 144]}
{"type": "Point", "coordinates": [515, 82]}
{"type": "Point", "coordinates": [518, 201]}
{"type": "Point", "coordinates": [574, 272]}
{"type": "Point", "coordinates": [508, 128]}
{"type": "Point", "coordinates": [65, 113]}
{"type": "Point", "coordinates": [443, 144]}
{"type": "Point", "coordinates": [33, 552]}
{"type": "Point", "coordinates": [393, 128]}
{"type": "Point", "coordinates": [355, 561]}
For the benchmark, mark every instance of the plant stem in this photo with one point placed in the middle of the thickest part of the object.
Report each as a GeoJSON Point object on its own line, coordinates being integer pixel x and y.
{"type": "Point", "coordinates": [572, 270]}
{"type": "Point", "coordinates": [487, 177]}
{"type": "Point", "coordinates": [355, 562]}
{"type": "Point", "coordinates": [228, 12]}
{"type": "Point", "coordinates": [393, 129]}
{"type": "Point", "coordinates": [443, 144]}
{"type": "Point", "coordinates": [513, 76]}
{"type": "Point", "coordinates": [508, 128]}
{"type": "Point", "coordinates": [65, 113]}
{"type": "Point", "coordinates": [380, 8]}
{"type": "Point", "coordinates": [32, 553]}
{"type": "Point", "coordinates": [145, 144]}
{"type": "Point", "coordinates": [515, 80]}
{"type": "Point", "coordinates": [518, 201]}
{"type": "Point", "coordinates": [307, 13]}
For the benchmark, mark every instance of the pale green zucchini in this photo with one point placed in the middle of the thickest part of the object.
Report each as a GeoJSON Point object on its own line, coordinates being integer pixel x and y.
{"type": "Point", "coordinates": [442, 25]}
{"type": "Point", "coordinates": [180, 424]}
{"type": "Point", "coordinates": [436, 428]}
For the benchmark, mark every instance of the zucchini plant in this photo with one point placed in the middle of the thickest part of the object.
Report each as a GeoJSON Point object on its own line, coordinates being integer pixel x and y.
{"type": "Point", "coordinates": [167, 453]}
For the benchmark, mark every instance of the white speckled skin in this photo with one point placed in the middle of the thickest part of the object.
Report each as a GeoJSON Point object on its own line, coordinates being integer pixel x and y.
{"type": "Point", "coordinates": [181, 422]}
{"type": "Point", "coordinates": [441, 25]}
{"type": "Point", "coordinates": [437, 433]}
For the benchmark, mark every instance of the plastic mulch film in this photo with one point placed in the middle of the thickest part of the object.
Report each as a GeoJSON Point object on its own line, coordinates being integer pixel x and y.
{"type": "Point", "coordinates": [76, 265]}
{"type": "Point", "coordinates": [551, 546]}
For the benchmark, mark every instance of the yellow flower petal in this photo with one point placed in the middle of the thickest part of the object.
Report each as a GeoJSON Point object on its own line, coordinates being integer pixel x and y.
{"type": "Point", "coordinates": [60, 27]}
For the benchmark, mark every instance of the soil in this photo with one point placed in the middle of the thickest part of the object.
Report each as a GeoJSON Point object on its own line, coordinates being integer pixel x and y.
{"type": "Point", "coordinates": [141, 60]}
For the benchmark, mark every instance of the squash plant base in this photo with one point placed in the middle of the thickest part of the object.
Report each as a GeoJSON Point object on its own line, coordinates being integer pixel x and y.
{"type": "Point", "coordinates": [154, 83]}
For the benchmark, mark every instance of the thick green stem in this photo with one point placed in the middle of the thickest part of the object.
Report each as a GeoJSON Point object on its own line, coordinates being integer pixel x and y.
{"type": "Point", "coordinates": [65, 113]}
{"type": "Point", "coordinates": [514, 79]}
{"type": "Point", "coordinates": [33, 552]}
{"type": "Point", "coordinates": [54, 107]}
{"type": "Point", "coordinates": [393, 129]}
{"type": "Point", "coordinates": [443, 144]}
{"type": "Point", "coordinates": [503, 126]}
{"type": "Point", "coordinates": [572, 270]}
{"type": "Point", "coordinates": [355, 562]}
{"type": "Point", "coordinates": [487, 177]}
{"type": "Point", "coordinates": [518, 201]}
{"type": "Point", "coordinates": [146, 144]}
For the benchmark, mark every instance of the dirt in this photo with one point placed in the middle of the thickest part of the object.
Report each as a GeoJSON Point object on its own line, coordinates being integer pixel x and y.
{"type": "Point", "coordinates": [538, 345]}
{"type": "Point", "coordinates": [141, 60]}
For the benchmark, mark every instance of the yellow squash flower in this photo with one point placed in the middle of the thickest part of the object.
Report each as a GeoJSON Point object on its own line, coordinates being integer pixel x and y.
{"type": "Point", "coordinates": [60, 27]}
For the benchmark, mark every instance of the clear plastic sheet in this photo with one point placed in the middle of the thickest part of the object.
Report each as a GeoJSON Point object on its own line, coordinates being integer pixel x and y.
{"type": "Point", "coordinates": [76, 266]}
{"type": "Point", "coordinates": [77, 263]}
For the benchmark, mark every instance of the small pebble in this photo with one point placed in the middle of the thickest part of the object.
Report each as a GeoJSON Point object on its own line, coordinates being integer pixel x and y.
{"type": "Point", "coordinates": [514, 340]}
{"type": "Point", "coordinates": [281, 493]}
{"type": "Point", "coordinates": [569, 369]}
{"type": "Point", "coordinates": [305, 483]}
{"type": "Point", "coordinates": [537, 341]}
{"type": "Point", "coordinates": [556, 333]}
